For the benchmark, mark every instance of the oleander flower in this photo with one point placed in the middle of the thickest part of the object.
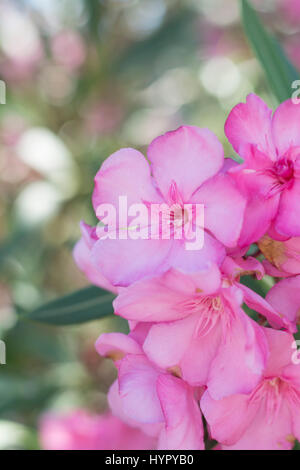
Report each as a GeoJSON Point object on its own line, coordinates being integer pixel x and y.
{"type": "Point", "coordinates": [145, 395]}
{"type": "Point", "coordinates": [196, 325]}
{"type": "Point", "coordinates": [270, 174]}
{"type": "Point", "coordinates": [268, 417]}
{"type": "Point", "coordinates": [186, 169]}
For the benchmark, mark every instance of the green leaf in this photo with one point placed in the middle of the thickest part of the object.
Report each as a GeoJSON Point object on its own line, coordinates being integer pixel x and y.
{"type": "Point", "coordinates": [279, 71]}
{"type": "Point", "coordinates": [79, 307]}
{"type": "Point", "coordinates": [261, 287]}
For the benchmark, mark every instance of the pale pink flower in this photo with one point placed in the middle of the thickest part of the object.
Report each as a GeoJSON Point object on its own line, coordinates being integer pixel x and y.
{"type": "Point", "coordinates": [185, 167]}
{"type": "Point", "coordinates": [270, 174]}
{"type": "Point", "coordinates": [268, 417]}
{"type": "Point", "coordinates": [147, 396]}
{"type": "Point", "coordinates": [80, 430]}
{"type": "Point", "coordinates": [197, 326]}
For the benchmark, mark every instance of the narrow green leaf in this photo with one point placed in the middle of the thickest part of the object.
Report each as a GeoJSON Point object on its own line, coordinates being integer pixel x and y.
{"type": "Point", "coordinates": [279, 71]}
{"type": "Point", "coordinates": [79, 307]}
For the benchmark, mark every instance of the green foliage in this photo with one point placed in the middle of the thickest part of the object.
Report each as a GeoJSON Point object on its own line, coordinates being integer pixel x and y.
{"type": "Point", "coordinates": [79, 307]}
{"type": "Point", "coordinates": [279, 71]}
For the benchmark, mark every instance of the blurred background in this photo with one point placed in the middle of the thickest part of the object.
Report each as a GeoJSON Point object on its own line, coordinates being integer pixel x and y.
{"type": "Point", "coordinates": [84, 78]}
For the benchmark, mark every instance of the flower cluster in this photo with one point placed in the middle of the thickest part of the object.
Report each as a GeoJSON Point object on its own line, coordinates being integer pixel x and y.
{"type": "Point", "coordinates": [192, 350]}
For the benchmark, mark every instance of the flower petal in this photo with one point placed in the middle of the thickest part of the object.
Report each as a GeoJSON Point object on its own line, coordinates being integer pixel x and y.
{"type": "Point", "coordinates": [157, 299]}
{"type": "Point", "coordinates": [183, 421]}
{"type": "Point", "coordinates": [250, 124]}
{"type": "Point", "coordinates": [288, 218]}
{"type": "Point", "coordinates": [83, 259]}
{"type": "Point", "coordinates": [116, 345]}
{"type": "Point", "coordinates": [241, 358]}
{"type": "Point", "coordinates": [224, 208]}
{"type": "Point", "coordinates": [167, 343]}
{"type": "Point", "coordinates": [137, 385]}
{"type": "Point", "coordinates": [125, 173]}
{"type": "Point", "coordinates": [276, 318]}
{"type": "Point", "coordinates": [285, 298]}
{"type": "Point", "coordinates": [126, 261]}
{"type": "Point", "coordinates": [164, 298]}
{"type": "Point", "coordinates": [285, 126]}
{"type": "Point", "coordinates": [198, 259]}
{"type": "Point", "coordinates": [227, 418]}
{"type": "Point", "coordinates": [187, 156]}
{"type": "Point", "coordinates": [257, 219]}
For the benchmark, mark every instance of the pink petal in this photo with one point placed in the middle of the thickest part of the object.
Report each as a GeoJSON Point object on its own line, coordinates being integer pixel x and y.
{"type": "Point", "coordinates": [267, 432]}
{"type": "Point", "coordinates": [137, 385]}
{"type": "Point", "coordinates": [116, 345]}
{"type": "Point", "coordinates": [191, 261]}
{"type": "Point", "coordinates": [285, 298]}
{"type": "Point", "coordinates": [257, 219]}
{"type": "Point", "coordinates": [199, 356]}
{"type": "Point", "coordinates": [224, 208]}
{"type": "Point", "coordinates": [236, 267]}
{"type": "Point", "coordinates": [285, 126]}
{"type": "Point", "coordinates": [167, 343]}
{"type": "Point", "coordinates": [291, 263]}
{"type": "Point", "coordinates": [253, 176]}
{"type": "Point", "coordinates": [254, 301]}
{"type": "Point", "coordinates": [183, 421]}
{"type": "Point", "coordinates": [272, 271]}
{"type": "Point", "coordinates": [156, 299]}
{"type": "Point", "coordinates": [241, 358]}
{"type": "Point", "coordinates": [125, 173]}
{"type": "Point", "coordinates": [250, 124]}
{"type": "Point", "coordinates": [281, 351]}
{"type": "Point", "coordinates": [83, 259]}
{"type": "Point", "coordinates": [126, 261]}
{"type": "Point", "coordinates": [229, 164]}
{"type": "Point", "coordinates": [188, 156]}
{"type": "Point", "coordinates": [163, 298]}
{"type": "Point", "coordinates": [116, 405]}
{"type": "Point", "coordinates": [227, 418]}
{"type": "Point", "coordinates": [288, 218]}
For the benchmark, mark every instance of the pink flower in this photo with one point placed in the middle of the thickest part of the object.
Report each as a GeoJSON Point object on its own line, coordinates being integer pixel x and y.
{"type": "Point", "coordinates": [145, 395]}
{"type": "Point", "coordinates": [282, 256]}
{"type": "Point", "coordinates": [80, 430]}
{"type": "Point", "coordinates": [285, 298]}
{"type": "Point", "coordinates": [270, 174]}
{"type": "Point", "coordinates": [185, 168]}
{"type": "Point", "coordinates": [84, 260]}
{"type": "Point", "coordinates": [269, 416]}
{"type": "Point", "coordinates": [196, 326]}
